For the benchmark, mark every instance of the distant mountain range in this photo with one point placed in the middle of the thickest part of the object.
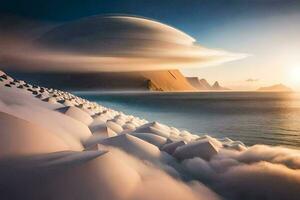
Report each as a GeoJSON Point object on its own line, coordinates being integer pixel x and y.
{"type": "Point", "coordinates": [202, 84]}
{"type": "Point", "coordinates": [277, 87]}
{"type": "Point", "coordinates": [161, 80]}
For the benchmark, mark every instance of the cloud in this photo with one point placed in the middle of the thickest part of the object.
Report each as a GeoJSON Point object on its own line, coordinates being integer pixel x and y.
{"type": "Point", "coordinates": [261, 180]}
{"type": "Point", "coordinates": [252, 80]}
{"type": "Point", "coordinates": [260, 172]}
{"type": "Point", "coordinates": [112, 175]}
{"type": "Point", "coordinates": [112, 43]}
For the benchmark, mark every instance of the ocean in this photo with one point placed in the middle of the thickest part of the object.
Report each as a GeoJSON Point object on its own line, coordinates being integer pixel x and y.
{"type": "Point", "coordinates": [271, 118]}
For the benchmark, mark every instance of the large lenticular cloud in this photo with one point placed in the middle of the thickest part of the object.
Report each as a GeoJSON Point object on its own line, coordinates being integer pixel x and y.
{"type": "Point", "coordinates": [113, 43]}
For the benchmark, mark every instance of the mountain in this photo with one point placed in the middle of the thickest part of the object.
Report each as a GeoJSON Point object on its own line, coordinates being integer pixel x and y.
{"type": "Point", "coordinates": [167, 80]}
{"type": "Point", "coordinates": [205, 84]}
{"type": "Point", "coordinates": [202, 84]}
{"type": "Point", "coordinates": [199, 84]}
{"type": "Point", "coordinates": [277, 87]}
{"type": "Point", "coordinates": [161, 80]}
{"type": "Point", "coordinates": [216, 86]}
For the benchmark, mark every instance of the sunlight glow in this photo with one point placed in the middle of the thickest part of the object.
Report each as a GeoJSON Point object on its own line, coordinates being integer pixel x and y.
{"type": "Point", "coordinates": [294, 75]}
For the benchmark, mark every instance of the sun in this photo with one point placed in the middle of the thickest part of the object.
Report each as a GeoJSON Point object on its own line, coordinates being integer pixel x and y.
{"type": "Point", "coordinates": [294, 75]}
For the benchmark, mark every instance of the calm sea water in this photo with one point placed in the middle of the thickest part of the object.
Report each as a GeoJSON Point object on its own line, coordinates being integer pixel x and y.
{"type": "Point", "coordinates": [251, 117]}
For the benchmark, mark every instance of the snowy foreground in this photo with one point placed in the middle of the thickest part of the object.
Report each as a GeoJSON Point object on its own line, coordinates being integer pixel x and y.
{"type": "Point", "coordinates": [54, 145]}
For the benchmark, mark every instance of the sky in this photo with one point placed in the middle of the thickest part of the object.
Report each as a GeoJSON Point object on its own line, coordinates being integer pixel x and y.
{"type": "Point", "coordinates": [265, 30]}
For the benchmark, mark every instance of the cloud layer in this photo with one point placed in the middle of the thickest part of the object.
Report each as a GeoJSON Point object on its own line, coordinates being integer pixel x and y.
{"type": "Point", "coordinates": [112, 43]}
{"type": "Point", "coordinates": [260, 172]}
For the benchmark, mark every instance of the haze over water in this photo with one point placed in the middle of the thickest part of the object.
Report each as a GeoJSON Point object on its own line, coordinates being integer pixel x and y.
{"type": "Point", "coordinates": [251, 117]}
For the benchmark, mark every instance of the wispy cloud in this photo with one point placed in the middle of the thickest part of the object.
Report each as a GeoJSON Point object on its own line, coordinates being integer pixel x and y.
{"type": "Point", "coordinates": [252, 80]}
